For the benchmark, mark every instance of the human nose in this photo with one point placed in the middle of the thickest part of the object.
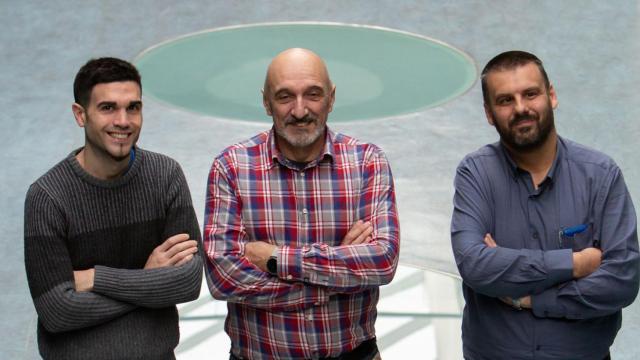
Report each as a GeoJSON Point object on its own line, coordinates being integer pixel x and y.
{"type": "Point", "coordinates": [121, 118]}
{"type": "Point", "coordinates": [299, 108]}
{"type": "Point", "coordinates": [521, 105]}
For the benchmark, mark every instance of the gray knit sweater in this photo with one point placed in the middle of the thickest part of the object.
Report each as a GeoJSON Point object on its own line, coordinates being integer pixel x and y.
{"type": "Point", "coordinates": [74, 221]}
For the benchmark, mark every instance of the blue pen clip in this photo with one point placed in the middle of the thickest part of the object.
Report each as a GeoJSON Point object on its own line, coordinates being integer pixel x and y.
{"type": "Point", "coordinates": [571, 232]}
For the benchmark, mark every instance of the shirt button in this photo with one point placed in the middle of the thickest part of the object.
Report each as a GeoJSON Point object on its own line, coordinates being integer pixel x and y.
{"type": "Point", "coordinates": [302, 173]}
{"type": "Point", "coordinates": [316, 303]}
{"type": "Point", "coordinates": [310, 317]}
{"type": "Point", "coordinates": [289, 277]}
{"type": "Point", "coordinates": [305, 211]}
{"type": "Point", "coordinates": [535, 235]}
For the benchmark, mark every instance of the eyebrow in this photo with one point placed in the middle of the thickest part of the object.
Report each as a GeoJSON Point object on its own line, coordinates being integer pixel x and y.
{"type": "Point", "coordinates": [280, 91]}
{"type": "Point", "coordinates": [113, 103]}
{"type": "Point", "coordinates": [315, 87]}
{"type": "Point", "coordinates": [310, 88]}
{"type": "Point", "coordinates": [535, 88]}
{"type": "Point", "coordinates": [530, 88]}
{"type": "Point", "coordinates": [102, 103]}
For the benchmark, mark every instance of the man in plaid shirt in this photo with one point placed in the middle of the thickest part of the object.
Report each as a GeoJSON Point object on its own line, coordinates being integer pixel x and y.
{"type": "Point", "coordinates": [300, 227]}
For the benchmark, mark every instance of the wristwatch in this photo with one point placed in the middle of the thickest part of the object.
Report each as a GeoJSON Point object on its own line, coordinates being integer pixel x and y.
{"type": "Point", "coordinates": [272, 262]}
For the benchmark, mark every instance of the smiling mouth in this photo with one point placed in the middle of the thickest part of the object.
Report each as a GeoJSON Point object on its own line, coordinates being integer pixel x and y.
{"type": "Point", "coordinates": [119, 136]}
{"type": "Point", "coordinates": [303, 120]}
{"type": "Point", "coordinates": [524, 123]}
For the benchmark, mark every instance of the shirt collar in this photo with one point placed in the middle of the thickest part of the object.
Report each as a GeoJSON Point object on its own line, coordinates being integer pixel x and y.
{"type": "Point", "coordinates": [276, 156]}
{"type": "Point", "coordinates": [516, 171]}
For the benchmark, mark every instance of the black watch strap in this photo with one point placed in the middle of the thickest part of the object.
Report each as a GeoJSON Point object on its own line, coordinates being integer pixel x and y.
{"type": "Point", "coordinates": [272, 263]}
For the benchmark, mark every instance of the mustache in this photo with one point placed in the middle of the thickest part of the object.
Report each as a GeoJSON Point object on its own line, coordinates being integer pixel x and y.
{"type": "Point", "coordinates": [294, 120]}
{"type": "Point", "coordinates": [523, 117]}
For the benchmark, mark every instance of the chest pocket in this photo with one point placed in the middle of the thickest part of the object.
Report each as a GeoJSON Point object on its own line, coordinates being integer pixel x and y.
{"type": "Point", "coordinates": [577, 237]}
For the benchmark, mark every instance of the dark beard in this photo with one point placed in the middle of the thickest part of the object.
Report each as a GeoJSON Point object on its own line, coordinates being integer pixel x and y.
{"type": "Point", "coordinates": [545, 124]}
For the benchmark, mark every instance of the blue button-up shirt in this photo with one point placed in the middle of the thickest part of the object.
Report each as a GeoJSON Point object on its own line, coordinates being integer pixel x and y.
{"type": "Point", "coordinates": [570, 318]}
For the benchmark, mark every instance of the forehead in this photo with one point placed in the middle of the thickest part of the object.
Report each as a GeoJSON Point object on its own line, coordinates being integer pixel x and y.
{"type": "Point", "coordinates": [118, 91]}
{"type": "Point", "coordinates": [515, 79]}
{"type": "Point", "coordinates": [297, 75]}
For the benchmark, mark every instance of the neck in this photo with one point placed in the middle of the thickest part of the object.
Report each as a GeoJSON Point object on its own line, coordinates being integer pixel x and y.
{"type": "Point", "coordinates": [537, 161]}
{"type": "Point", "coordinates": [101, 165]}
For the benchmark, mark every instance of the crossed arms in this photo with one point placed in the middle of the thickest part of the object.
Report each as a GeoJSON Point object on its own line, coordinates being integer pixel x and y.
{"type": "Point", "coordinates": [364, 258]}
{"type": "Point", "coordinates": [68, 300]}
{"type": "Point", "coordinates": [554, 283]}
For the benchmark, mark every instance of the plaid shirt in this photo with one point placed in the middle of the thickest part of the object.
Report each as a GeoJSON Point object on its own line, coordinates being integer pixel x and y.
{"type": "Point", "coordinates": [323, 300]}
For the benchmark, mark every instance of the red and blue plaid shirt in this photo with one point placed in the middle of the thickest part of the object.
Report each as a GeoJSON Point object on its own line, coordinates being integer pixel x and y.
{"type": "Point", "coordinates": [323, 300]}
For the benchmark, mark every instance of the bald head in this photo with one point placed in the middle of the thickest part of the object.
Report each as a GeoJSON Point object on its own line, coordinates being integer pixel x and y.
{"type": "Point", "coordinates": [296, 63]}
{"type": "Point", "coordinates": [299, 96]}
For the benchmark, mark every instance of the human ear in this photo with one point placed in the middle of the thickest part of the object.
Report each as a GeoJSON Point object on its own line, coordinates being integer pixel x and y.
{"type": "Point", "coordinates": [266, 103]}
{"type": "Point", "coordinates": [79, 114]}
{"type": "Point", "coordinates": [489, 115]}
{"type": "Point", "coordinates": [332, 98]}
{"type": "Point", "coordinates": [553, 97]}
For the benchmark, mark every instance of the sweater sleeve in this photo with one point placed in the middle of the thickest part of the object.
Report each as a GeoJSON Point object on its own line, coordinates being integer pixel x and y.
{"type": "Point", "coordinates": [50, 271]}
{"type": "Point", "coordinates": [166, 286]}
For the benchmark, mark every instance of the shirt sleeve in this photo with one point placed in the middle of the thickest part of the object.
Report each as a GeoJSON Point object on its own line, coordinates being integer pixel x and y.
{"type": "Point", "coordinates": [50, 272]}
{"type": "Point", "coordinates": [354, 268]}
{"type": "Point", "coordinates": [499, 271]}
{"type": "Point", "coordinates": [614, 284]}
{"type": "Point", "coordinates": [166, 286]}
{"type": "Point", "coordinates": [231, 276]}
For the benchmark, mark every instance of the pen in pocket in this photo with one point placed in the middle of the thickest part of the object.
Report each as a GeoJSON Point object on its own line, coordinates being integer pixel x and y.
{"type": "Point", "coordinates": [571, 232]}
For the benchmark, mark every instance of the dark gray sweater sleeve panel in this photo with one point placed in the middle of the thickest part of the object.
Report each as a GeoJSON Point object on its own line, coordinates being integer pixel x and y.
{"type": "Point", "coordinates": [162, 286]}
{"type": "Point", "coordinates": [153, 288]}
{"type": "Point", "coordinates": [50, 273]}
{"type": "Point", "coordinates": [63, 309]}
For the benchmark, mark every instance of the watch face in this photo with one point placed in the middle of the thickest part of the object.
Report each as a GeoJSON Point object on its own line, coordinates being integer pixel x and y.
{"type": "Point", "coordinates": [272, 265]}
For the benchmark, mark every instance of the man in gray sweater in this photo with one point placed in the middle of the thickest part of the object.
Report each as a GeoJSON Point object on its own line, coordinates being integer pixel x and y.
{"type": "Point", "coordinates": [111, 238]}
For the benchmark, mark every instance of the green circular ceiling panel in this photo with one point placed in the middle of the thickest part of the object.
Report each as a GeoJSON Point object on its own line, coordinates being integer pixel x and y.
{"type": "Point", "coordinates": [378, 73]}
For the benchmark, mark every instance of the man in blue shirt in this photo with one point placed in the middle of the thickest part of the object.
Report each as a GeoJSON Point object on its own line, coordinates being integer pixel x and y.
{"type": "Point", "coordinates": [543, 230]}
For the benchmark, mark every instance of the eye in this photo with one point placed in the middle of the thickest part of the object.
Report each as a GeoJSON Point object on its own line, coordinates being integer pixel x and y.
{"type": "Point", "coordinates": [314, 95]}
{"type": "Point", "coordinates": [106, 107]}
{"type": "Point", "coordinates": [531, 94]}
{"type": "Point", "coordinates": [504, 100]}
{"type": "Point", "coordinates": [283, 97]}
{"type": "Point", "coordinates": [134, 108]}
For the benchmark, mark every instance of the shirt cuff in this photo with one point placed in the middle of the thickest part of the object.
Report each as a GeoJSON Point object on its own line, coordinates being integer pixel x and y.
{"type": "Point", "coordinates": [290, 263]}
{"type": "Point", "coordinates": [559, 265]}
{"type": "Point", "coordinates": [546, 305]}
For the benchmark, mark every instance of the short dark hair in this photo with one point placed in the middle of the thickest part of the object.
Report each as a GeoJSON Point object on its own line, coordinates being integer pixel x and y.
{"type": "Point", "coordinates": [507, 61]}
{"type": "Point", "coordinates": [102, 70]}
